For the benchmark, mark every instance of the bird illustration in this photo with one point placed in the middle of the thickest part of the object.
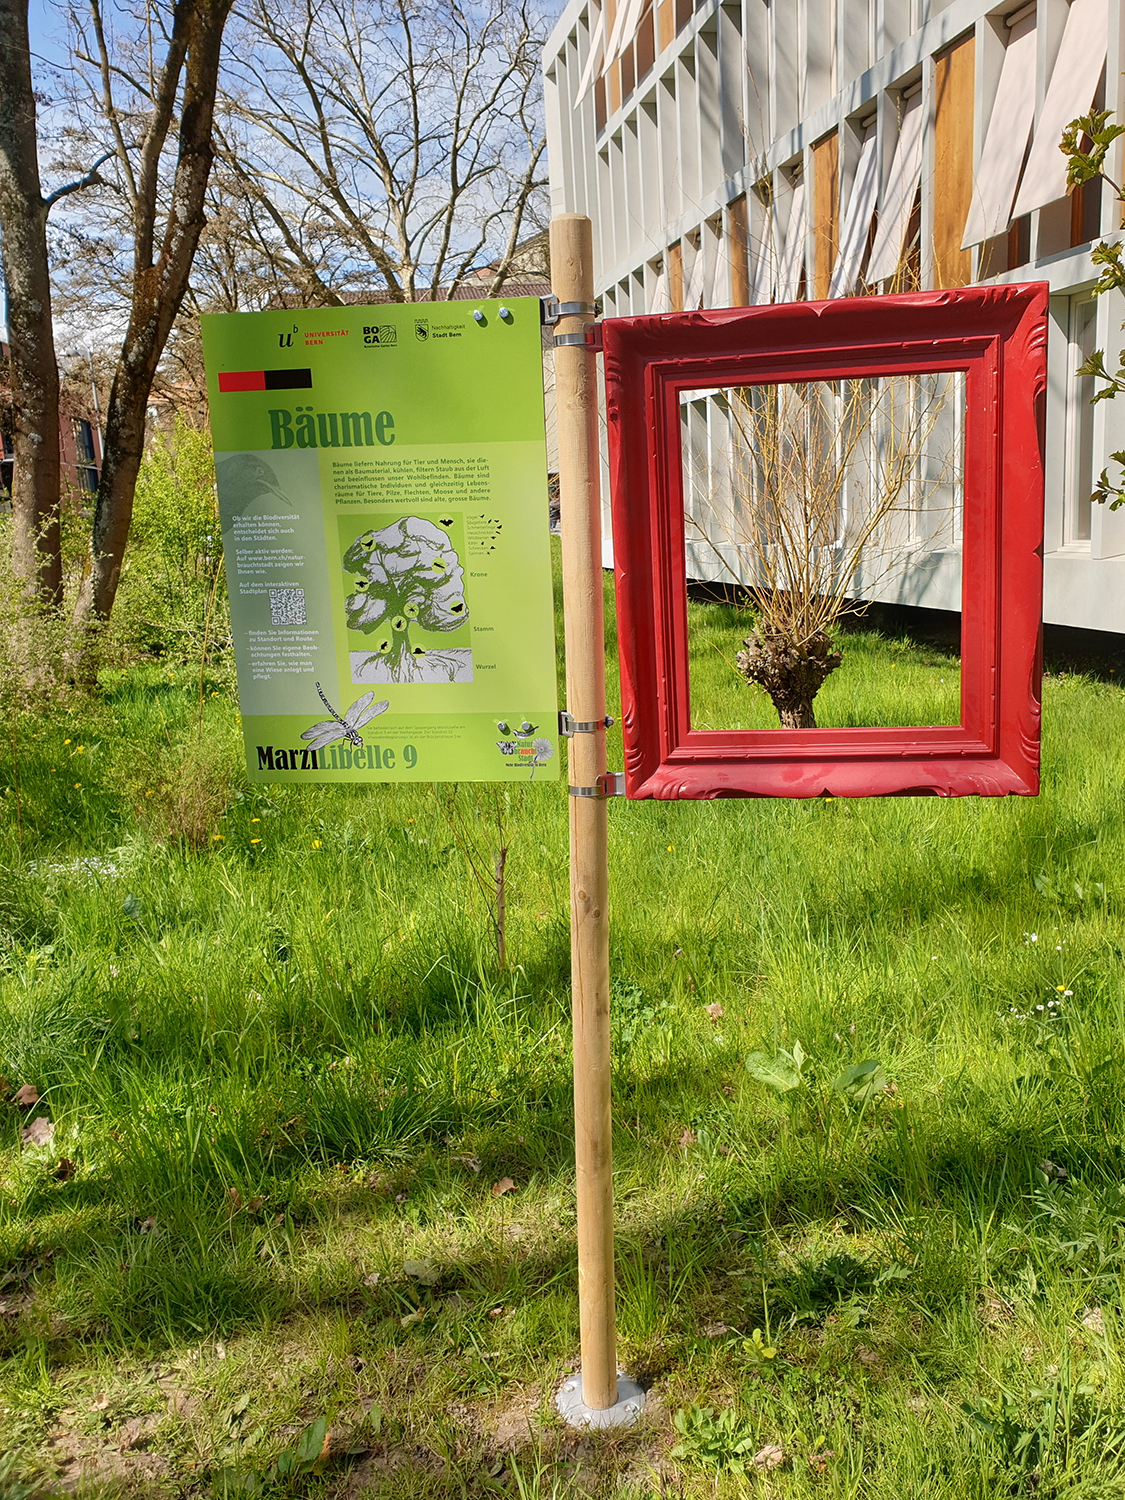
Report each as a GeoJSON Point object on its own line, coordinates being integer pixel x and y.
{"type": "Point", "coordinates": [246, 477]}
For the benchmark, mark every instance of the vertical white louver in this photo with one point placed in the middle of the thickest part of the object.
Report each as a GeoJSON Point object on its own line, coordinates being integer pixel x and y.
{"type": "Point", "coordinates": [1009, 126]}
{"type": "Point", "coordinates": [1074, 80]}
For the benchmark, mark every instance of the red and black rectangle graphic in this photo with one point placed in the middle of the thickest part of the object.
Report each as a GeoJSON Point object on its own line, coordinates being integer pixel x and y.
{"type": "Point", "coordinates": [265, 380]}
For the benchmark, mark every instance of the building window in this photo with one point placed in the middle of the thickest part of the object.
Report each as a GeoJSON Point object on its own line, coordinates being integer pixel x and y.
{"type": "Point", "coordinates": [1080, 422]}
{"type": "Point", "coordinates": [85, 456]}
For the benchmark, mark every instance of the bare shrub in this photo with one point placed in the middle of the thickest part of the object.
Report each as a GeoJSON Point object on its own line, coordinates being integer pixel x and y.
{"type": "Point", "coordinates": [193, 784]}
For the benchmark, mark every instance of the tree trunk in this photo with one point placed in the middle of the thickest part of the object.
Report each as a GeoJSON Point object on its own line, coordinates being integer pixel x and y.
{"type": "Point", "coordinates": [792, 675]}
{"type": "Point", "coordinates": [36, 543]}
{"type": "Point", "coordinates": [159, 283]}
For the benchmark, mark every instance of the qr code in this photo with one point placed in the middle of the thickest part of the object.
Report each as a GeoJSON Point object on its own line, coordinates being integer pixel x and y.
{"type": "Point", "coordinates": [287, 606]}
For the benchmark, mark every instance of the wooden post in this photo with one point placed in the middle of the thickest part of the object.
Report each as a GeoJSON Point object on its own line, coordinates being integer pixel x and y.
{"type": "Point", "coordinates": [576, 402]}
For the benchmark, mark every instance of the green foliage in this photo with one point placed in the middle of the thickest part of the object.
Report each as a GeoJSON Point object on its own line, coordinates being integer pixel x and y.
{"type": "Point", "coordinates": [284, 1076]}
{"type": "Point", "coordinates": [862, 1083]}
{"type": "Point", "coordinates": [1085, 162]}
{"type": "Point", "coordinates": [720, 1440]}
{"type": "Point", "coordinates": [1053, 1430]}
{"type": "Point", "coordinates": [302, 1458]}
{"type": "Point", "coordinates": [781, 1071]}
{"type": "Point", "coordinates": [635, 1018]}
{"type": "Point", "coordinates": [1085, 143]}
{"type": "Point", "coordinates": [173, 594]}
{"type": "Point", "coordinates": [784, 1072]}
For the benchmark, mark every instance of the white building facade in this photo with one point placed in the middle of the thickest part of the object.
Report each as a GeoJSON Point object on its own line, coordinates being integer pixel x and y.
{"type": "Point", "coordinates": [770, 150]}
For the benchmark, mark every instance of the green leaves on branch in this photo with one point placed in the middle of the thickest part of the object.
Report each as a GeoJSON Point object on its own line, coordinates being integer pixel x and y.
{"type": "Point", "coordinates": [1112, 278]}
{"type": "Point", "coordinates": [1106, 492]}
{"type": "Point", "coordinates": [1086, 143]}
{"type": "Point", "coordinates": [1087, 160]}
{"type": "Point", "coordinates": [784, 1072]}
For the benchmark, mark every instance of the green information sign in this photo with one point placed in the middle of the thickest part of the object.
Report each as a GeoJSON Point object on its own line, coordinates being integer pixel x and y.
{"type": "Point", "coordinates": [383, 494]}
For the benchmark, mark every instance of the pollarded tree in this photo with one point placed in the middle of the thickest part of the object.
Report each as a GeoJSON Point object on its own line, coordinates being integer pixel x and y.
{"type": "Point", "coordinates": [804, 496]}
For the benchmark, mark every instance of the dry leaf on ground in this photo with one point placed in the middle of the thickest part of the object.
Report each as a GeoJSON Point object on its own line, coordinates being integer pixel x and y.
{"type": "Point", "coordinates": [686, 1138]}
{"type": "Point", "coordinates": [714, 1010]}
{"type": "Point", "coordinates": [1093, 1320]}
{"type": "Point", "coordinates": [27, 1096]}
{"type": "Point", "coordinates": [38, 1133]}
{"type": "Point", "coordinates": [768, 1457]}
{"type": "Point", "coordinates": [505, 1185]}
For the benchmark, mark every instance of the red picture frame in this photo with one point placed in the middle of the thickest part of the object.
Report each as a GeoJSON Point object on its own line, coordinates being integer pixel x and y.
{"type": "Point", "coordinates": [997, 336]}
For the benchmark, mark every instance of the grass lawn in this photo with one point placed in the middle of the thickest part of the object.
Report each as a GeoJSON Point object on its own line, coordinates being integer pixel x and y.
{"type": "Point", "coordinates": [264, 1250]}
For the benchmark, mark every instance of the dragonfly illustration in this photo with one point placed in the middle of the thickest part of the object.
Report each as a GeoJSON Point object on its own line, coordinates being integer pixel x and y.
{"type": "Point", "coordinates": [346, 727]}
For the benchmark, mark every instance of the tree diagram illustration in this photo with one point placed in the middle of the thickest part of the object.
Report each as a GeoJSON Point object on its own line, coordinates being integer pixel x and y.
{"type": "Point", "coordinates": [406, 579]}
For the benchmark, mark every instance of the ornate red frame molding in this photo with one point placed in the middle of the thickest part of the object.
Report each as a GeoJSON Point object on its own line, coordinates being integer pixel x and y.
{"type": "Point", "coordinates": [997, 336]}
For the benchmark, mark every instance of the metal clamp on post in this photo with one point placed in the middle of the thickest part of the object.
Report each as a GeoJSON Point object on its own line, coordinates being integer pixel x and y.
{"type": "Point", "coordinates": [590, 337]}
{"type": "Point", "coordinates": [612, 784]}
{"type": "Point", "coordinates": [551, 310]}
{"type": "Point", "coordinates": [569, 727]}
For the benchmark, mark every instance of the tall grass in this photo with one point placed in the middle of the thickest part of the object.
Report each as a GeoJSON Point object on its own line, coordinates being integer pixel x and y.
{"type": "Point", "coordinates": [285, 1072]}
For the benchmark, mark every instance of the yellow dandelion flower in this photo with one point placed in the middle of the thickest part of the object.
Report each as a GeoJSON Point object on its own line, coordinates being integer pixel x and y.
{"type": "Point", "coordinates": [316, 843]}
